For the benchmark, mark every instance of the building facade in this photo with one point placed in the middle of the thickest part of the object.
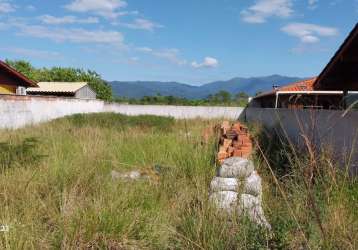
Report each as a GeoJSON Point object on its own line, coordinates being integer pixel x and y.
{"type": "Point", "coordinates": [13, 82]}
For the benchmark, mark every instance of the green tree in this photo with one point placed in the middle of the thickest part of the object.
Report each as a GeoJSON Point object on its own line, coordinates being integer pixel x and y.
{"type": "Point", "coordinates": [241, 95]}
{"type": "Point", "coordinates": [24, 68]}
{"type": "Point", "coordinates": [224, 96]}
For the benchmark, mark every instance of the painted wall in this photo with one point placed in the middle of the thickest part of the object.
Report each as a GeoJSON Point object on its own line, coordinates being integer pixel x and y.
{"type": "Point", "coordinates": [330, 129]}
{"type": "Point", "coordinates": [179, 112]}
{"type": "Point", "coordinates": [19, 111]}
{"type": "Point", "coordinates": [7, 89]}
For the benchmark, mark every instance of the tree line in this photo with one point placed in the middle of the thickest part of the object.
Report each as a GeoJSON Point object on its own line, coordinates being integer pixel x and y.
{"type": "Point", "coordinates": [222, 98]}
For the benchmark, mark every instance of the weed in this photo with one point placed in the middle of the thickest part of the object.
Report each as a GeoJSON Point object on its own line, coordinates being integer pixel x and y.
{"type": "Point", "coordinates": [20, 154]}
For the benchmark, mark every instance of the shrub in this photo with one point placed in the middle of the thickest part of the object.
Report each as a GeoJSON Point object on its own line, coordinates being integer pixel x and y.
{"type": "Point", "coordinates": [24, 153]}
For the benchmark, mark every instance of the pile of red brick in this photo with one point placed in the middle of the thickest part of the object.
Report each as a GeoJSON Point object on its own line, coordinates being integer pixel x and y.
{"type": "Point", "coordinates": [234, 141]}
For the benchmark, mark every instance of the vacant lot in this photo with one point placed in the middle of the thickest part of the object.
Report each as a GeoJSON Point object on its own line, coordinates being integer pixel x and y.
{"type": "Point", "coordinates": [56, 191]}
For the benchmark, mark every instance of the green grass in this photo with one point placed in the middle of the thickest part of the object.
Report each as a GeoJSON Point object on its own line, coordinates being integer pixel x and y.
{"type": "Point", "coordinates": [56, 191]}
{"type": "Point", "coordinates": [68, 199]}
{"type": "Point", "coordinates": [312, 203]}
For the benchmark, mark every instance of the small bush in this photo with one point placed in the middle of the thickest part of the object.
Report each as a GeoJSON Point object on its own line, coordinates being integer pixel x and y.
{"type": "Point", "coordinates": [119, 121]}
{"type": "Point", "coordinates": [21, 154]}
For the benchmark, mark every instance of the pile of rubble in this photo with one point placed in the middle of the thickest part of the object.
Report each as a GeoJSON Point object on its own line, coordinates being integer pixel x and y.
{"type": "Point", "coordinates": [234, 141]}
{"type": "Point", "coordinates": [237, 188]}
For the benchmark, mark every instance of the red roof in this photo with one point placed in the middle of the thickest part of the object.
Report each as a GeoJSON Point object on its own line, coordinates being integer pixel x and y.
{"type": "Point", "coordinates": [15, 75]}
{"type": "Point", "coordinates": [305, 85]}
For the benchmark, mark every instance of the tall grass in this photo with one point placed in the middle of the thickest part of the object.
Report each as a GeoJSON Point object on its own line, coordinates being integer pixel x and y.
{"type": "Point", "coordinates": [311, 201]}
{"type": "Point", "coordinates": [67, 199]}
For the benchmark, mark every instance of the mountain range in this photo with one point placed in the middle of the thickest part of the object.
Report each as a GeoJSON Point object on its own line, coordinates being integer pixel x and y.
{"type": "Point", "coordinates": [251, 86]}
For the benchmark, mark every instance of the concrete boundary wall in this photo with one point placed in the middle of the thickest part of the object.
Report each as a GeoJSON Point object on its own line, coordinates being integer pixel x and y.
{"type": "Point", "coordinates": [19, 111]}
{"type": "Point", "coordinates": [332, 129]}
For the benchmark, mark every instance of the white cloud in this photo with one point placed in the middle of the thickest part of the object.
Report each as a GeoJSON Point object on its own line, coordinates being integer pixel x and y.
{"type": "Point", "coordinates": [142, 24]}
{"type": "Point", "coordinates": [6, 7]}
{"type": "Point", "coordinates": [264, 9]}
{"type": "Point", "coordinates": [30, 8]}
{"type": "Point", "coordinates": [309, 33]}
{"type": "Point", "coordinates": [48, 19]}
{"type": "Point", "coordinates": [171, 55]}
{"type": "Point", "coordinates": [32, 53]}
{"type": "Point", "coordinates": [104, 8]}
{"type": "Point", "coordinates": [312, 4]}
{"type": "Point", "coordinates": [209, 62]}
{"type": "Point", "coordinates": [145, 49]}
{"type": "Point", "coordinates": [72, 35]}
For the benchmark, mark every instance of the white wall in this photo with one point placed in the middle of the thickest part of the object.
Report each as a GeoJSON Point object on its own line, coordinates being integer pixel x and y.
{"type": "Point", "coordinates": [179, 112]}
{"type": "Point", "coordinates": [19, 111]}
{"type": "Point", "coordinates": [325, 128]}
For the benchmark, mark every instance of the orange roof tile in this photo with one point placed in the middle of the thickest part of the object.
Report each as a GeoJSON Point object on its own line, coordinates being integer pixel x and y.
{"type": "Point", "coordinates": [305, 85]}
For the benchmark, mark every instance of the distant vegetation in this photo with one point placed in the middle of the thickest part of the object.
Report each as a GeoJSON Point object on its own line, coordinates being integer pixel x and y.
{"type": "Point", "coordinates": [222, 98]}
{"type": "Point", "coordinates": [61, 74]}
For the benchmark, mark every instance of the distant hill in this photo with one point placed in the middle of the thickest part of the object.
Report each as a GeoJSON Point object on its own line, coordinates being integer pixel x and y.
{"type": "Point", "coordinates": [149, 88]}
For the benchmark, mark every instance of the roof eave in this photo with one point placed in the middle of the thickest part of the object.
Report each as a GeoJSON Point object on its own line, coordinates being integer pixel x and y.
{"type": "Point", "coordinates": [29, 82]}
{"type": "Point", "coordinates": [336, 56]}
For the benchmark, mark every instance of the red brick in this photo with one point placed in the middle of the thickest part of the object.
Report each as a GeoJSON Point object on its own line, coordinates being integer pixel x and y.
{"type": "Point", "coordinates": [236, 144]}
{"type": "Point", "coordinates": [227, 143]}
{"type": "Point", "coordinates": [237, 127]}
{"type": "Point", "coordinates": [225, 126]}
{"type": "Point", "coordinates": [222, 149]}
{"type": "Point", "coordinates": [245, 141]}
{"type": "Point", "coordinates": [230, 150]}
{"type": "Point", "coordinates": [222, 155]}
{"type": "Point", "coordinates": [246, 154]}
{"type": "Point", "coordinates": [242, 153]}
{"type": "Point", "coordinates": [246, 147]}
{"type": "Point", "coordinates": [231, 134]}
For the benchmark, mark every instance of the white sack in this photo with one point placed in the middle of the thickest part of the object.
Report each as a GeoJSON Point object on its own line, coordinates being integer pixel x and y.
{"type": "Point", "coordinates": [236, 167]}
{"type": "Point", "coordinates": [223, 184]}
{"type": "Point", "coordinates": [253, 185]}
{"type": "Point", "coordinates": [225, 200]}
{"type": "Point", "coordinates": [251, 207]}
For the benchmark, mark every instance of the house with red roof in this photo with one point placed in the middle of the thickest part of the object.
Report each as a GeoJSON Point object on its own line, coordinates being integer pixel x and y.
{"type": "Point", "coordinates": [335, 88]}
{"type": "Point", "coordinates": [13, 82]}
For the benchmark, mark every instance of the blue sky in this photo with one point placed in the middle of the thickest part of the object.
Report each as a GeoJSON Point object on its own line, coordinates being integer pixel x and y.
{"type": "Point", "coordinates": [191, 41]}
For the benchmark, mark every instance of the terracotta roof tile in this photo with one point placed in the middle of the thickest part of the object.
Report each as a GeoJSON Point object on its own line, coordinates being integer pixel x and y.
{"type": "Point", "coordinates": [305, 85]}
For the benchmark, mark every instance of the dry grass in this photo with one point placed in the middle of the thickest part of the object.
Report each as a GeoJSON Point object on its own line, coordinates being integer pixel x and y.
{"type": "Point", "coordinates": [311, 201]}
{"type": "Point", "coordinates": [68, 200]}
